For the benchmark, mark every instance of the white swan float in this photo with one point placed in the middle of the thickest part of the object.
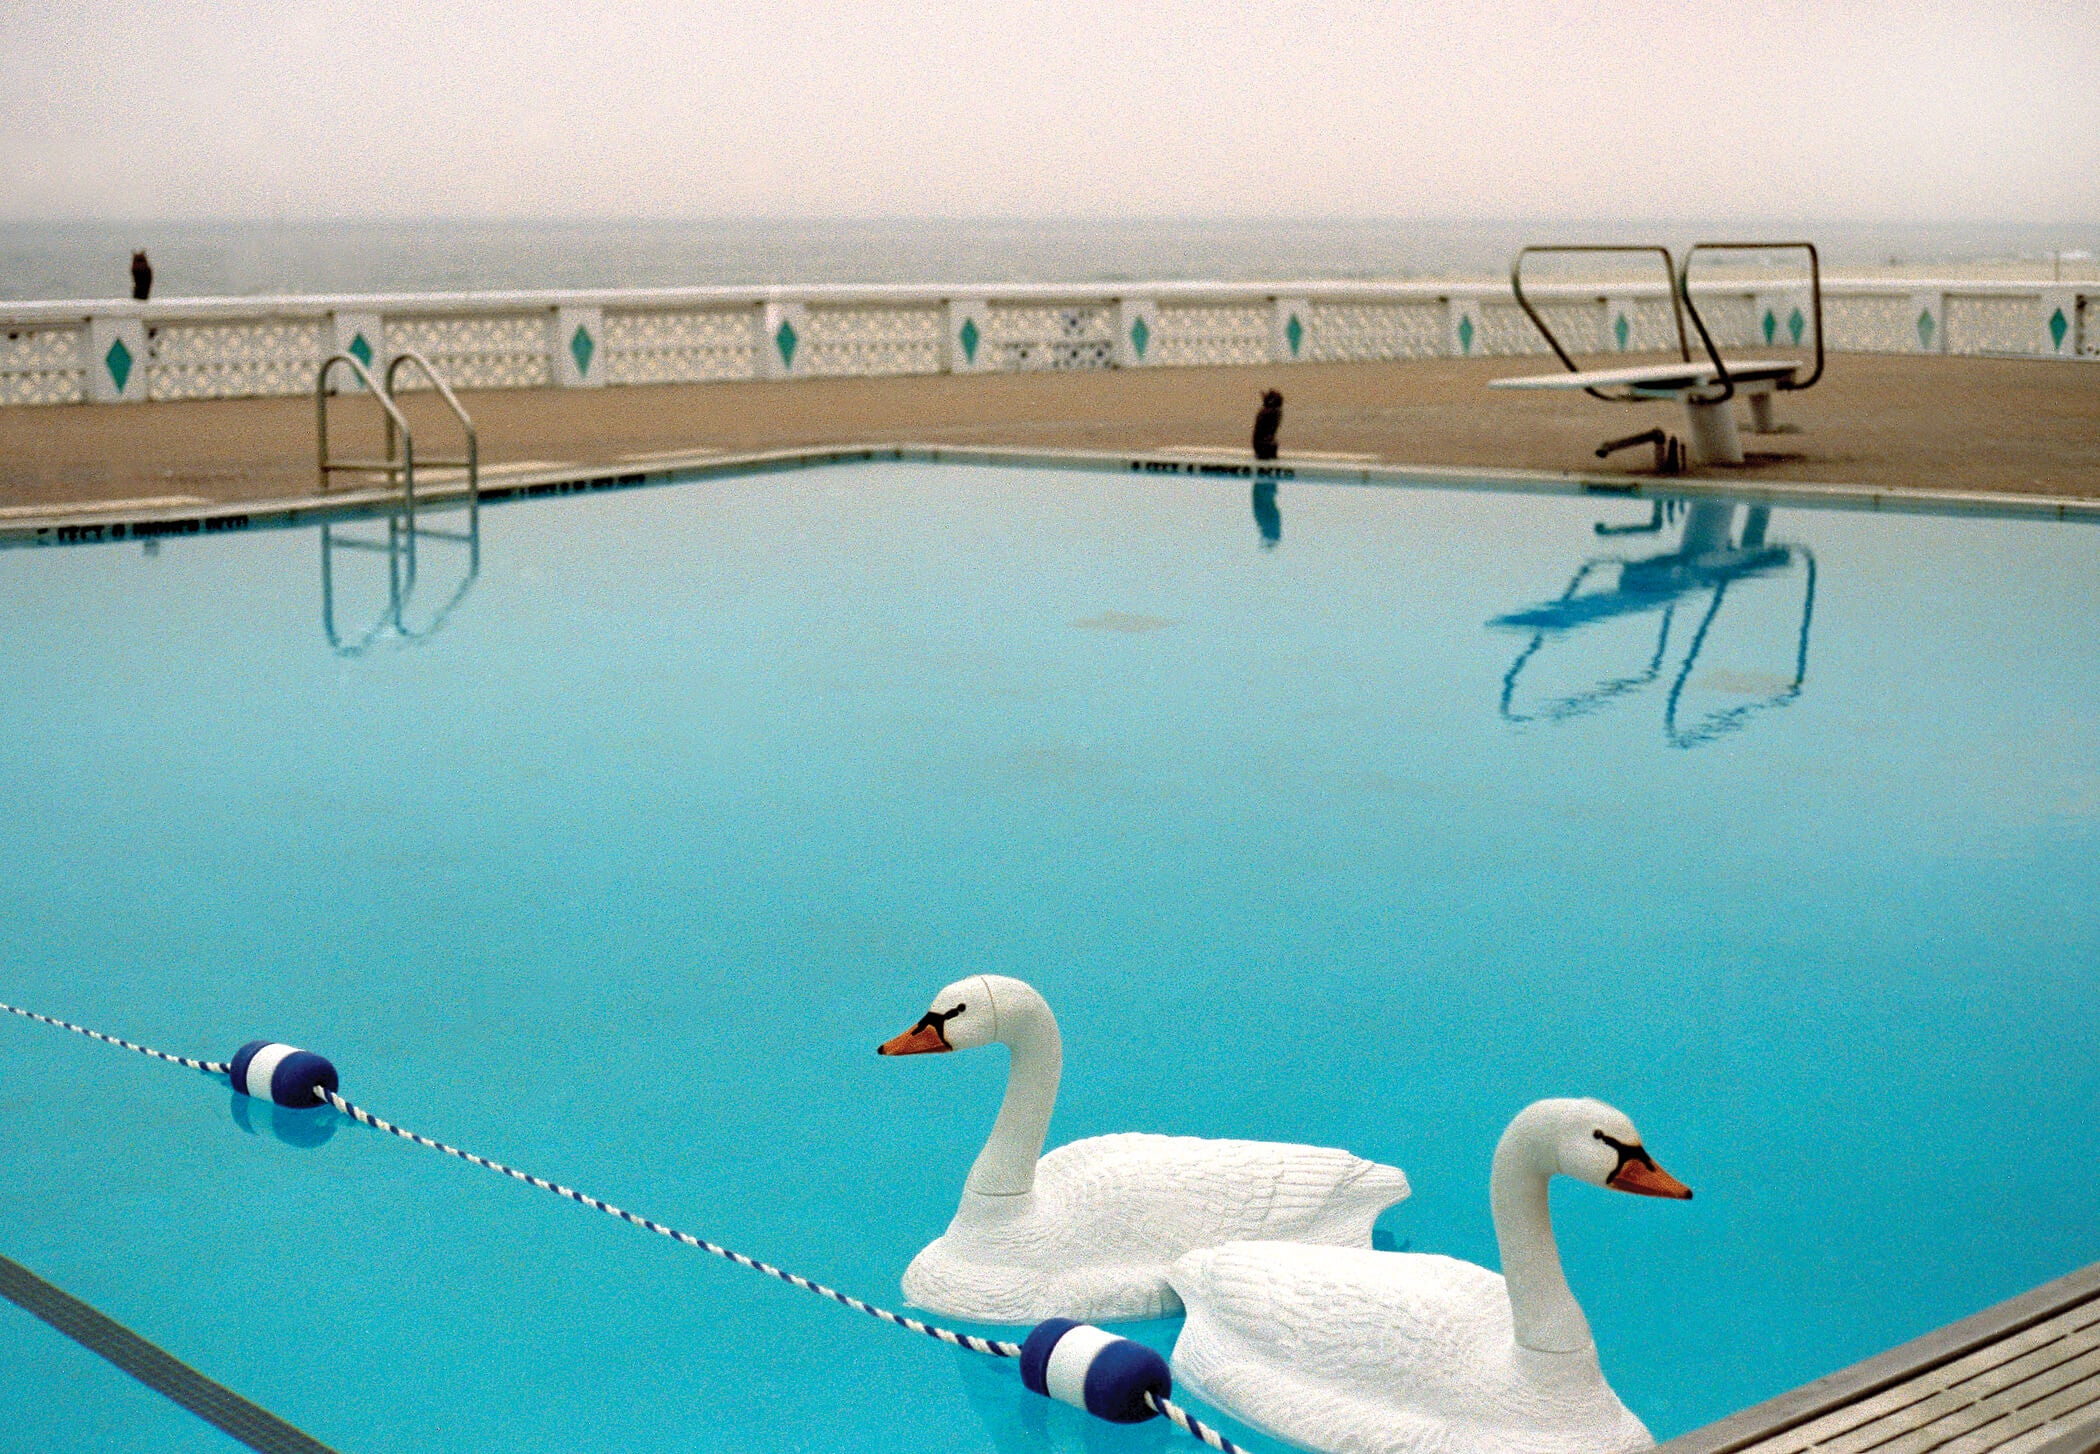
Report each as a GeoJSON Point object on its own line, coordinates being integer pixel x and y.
{"type": "Point", "coordinates": [1358, 1352]}
{"type": "Point", "coordinates": [1090, 1230]}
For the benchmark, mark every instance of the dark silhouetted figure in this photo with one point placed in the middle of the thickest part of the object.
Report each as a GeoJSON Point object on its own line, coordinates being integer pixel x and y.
{"type": "Point", "coordinates": [1266, 421]}
{"type": "Point", "coordinates": [1267, 518]}
{"type": "Point", "coordinates": [141, 276]}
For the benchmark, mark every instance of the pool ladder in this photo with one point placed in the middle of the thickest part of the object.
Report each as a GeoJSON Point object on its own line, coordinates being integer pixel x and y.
{"type": "Point", "coordinates": [402, 529]}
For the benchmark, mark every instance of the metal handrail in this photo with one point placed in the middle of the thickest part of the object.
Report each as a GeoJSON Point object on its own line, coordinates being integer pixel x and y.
{"type": "Point", "coordinates": [329, 545]}
{"type": "Point", "coordinates": [1516, 286]}
{"type": "Point", "coordinates": [466, 422]}
{"type": "Point", "coordinates": [406, 469]}
{"type": "Point", "coordinates": [401, 530]}
{"type": "Point", "coordinates": [1815, 293]}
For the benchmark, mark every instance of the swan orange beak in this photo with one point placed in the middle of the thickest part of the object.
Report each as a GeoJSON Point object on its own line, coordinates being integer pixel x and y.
{"type": "Point", "coordinates": [1644, 1178]}
{"type": "Point", "coordinates": [918, 1040]}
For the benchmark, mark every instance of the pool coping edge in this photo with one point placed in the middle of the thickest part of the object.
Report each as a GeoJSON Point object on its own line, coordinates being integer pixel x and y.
{"type": "Point", "coordinates": [99, 522]}
{"type": "Point", "coordinates": [1775, 1416]}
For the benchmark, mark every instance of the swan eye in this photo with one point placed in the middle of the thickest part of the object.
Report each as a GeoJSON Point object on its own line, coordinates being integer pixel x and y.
{"type": "Point", "coordinates": [937, 1021]}
{"type": "Point", "coordinates": [1628, 1151]}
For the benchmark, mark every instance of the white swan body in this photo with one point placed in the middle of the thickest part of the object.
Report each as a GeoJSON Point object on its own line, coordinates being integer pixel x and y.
{"type": "Point", "coordinates": [1350, 1351]}
{"type": "Point", "coordinates": [1090, 1230]}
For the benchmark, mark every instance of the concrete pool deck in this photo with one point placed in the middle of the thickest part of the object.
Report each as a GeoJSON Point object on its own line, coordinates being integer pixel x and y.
{"type": "Point", "coordinates": [1964, 426]}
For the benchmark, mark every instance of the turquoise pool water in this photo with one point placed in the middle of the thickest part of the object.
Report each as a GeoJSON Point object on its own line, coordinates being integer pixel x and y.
{"type": "Point", "coordinates": [1364, 836]}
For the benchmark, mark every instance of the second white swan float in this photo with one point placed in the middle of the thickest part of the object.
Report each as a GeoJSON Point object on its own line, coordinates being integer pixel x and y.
{"type": "Point", "coordinates": [1090, 1230]}
{"type": "Point", "coordinates": [1358, 1352]}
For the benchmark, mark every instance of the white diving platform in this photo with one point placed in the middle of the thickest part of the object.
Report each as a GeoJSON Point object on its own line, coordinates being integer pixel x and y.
{"type": "Point", "coordinates": [1713, 431]}
{"type": "Point", "coordinates": [1704, 389]}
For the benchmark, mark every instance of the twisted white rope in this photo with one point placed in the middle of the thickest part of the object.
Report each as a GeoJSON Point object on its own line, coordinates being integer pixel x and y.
{"type": "Point", "coordinates": [1181, 1418]}
{"type": "Point", "coordinates": [1189, 1424]}
{"type": "Point", "coordinates": [584, 1199]}
{"type": "Point", "coordinates": [218, 1066]}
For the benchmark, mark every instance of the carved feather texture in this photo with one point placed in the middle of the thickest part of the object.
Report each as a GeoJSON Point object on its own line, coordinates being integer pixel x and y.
{"type": "Point", "coordinates": [1109, 1215]}
{"type": "Point", "coordinates": [1350, 1351]}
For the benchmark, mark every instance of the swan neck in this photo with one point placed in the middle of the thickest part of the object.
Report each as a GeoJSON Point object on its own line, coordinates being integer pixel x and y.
{"type": "Point", "coordinates": [1006, 1166]}
{"type": "Point", "coordinates": [1544, 1310]}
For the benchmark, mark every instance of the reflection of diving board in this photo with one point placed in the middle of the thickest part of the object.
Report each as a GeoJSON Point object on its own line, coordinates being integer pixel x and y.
{"type": "Point", "coordinates": [1714, 436]}
{"type": "Point", "coordinates": [1704, 388]}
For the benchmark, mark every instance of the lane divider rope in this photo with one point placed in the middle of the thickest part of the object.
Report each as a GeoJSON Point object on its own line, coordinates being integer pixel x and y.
{"type": "Point", "coordinates": [255, 1071]}
{"type": "Point", "coordinates": [218, 1067]}
{"type": "Point", "coordinates": [584, 1199]}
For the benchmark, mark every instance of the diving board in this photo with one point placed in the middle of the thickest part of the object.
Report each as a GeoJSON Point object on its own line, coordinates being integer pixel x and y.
{"type": "Point", "coordinates": [1703, 387]}
{"type": "Point", "coordinates": [1712, 425]}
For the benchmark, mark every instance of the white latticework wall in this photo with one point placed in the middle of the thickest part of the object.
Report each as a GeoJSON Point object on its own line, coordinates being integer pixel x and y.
{"type": "Point", "coordinates": [2088, 326]}
{"type": "Point", "coordinates": [234, 360]}
{"type": "Point", "coordinates": [1732, 319]}
{"type": "Point", "coordinates": [1580, 325]}
{"type": "Point", "coordinates": [487, 351]}
{"type": "Point", "coordinates": [1023, 336]}
{"type": "Point", "coordinates": [1340, 332]}
{"type": "Point", "coordinates": [1651, 326]}
{"type": "Point", "coordinates": [1874, 323]}
{"type": "Point", "coordinates": [1505, 330]}
{"type": "Point", "coordinates": [680, 346]}
{"type": "Point", "coordinates": [1202, 334]}
{"type": "Point", "coordinates": [42, 366]}
{"type": "Point", "coordinates": [869, 339]}
{"type": "Point", "coordinates": [1992, 325]}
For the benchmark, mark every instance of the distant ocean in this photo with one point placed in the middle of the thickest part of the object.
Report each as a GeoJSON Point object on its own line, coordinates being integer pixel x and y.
{"type": "Point", "coordinates": [89, 260]}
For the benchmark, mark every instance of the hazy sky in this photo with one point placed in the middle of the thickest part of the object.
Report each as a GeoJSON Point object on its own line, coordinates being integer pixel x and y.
{"type": "Point", "coordinates": [305, 108]}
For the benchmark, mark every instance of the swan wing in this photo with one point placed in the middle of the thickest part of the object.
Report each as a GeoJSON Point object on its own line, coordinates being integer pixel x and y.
{"type": "Point", "coordinates": [1345, 1313]}
{"type": "Point", "coordinates": [1161, 1196]}
{"type": "Point", "coordinates": [1108, 1216]}
{"type": "Point", "coordinates": [1352, 1351]}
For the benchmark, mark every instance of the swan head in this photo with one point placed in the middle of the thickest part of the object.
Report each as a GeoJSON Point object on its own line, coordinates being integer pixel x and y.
{"type": "Point", "coordinates": [982, 1010]}
{"type": "Point", "coordinates": [1596, 1143]}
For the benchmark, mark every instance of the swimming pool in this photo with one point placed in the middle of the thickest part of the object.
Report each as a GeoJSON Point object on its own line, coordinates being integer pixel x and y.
{"type": "Point", "coordinates": [1362, 835]}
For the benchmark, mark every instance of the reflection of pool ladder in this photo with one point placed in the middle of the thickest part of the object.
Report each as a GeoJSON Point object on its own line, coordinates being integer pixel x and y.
{"type": "Point", "coordinates": [402, 523]}
{"type": "Point", "coordinates": [1706, 560]}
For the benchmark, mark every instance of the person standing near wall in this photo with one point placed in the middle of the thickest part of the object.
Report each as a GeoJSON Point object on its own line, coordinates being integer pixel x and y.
{"type": "Point", "coordinates": [141, 276]}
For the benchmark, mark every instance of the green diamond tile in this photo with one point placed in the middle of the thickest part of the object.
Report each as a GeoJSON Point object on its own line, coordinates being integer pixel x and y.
{"type": "Point", "coordinates": [1294, 334]}
{"type": "Point", "coordinates": [1794, 324]}
{"type": "Point", "coordinates": [2058, 327]}
{"type": "Point", "coordinates": [361, 350]}
{"type": "Point", "coordinates": [1926, 327]}
{"type": "Point", "coordinates": [785, 341]}
{"type": "Point", "coordinates": [1619, 330]}
{"type": "Point", "coordinates": [581, 348]}
{"type": "Point", "coordinates": [1770, 325]}
{"type": "Point", "coordinates": [118, 360]}
{"type": "Point", "coordinates": [1140, 335]}
{"type": "Point", "coordinates": [1465, 333]}
{"type": "Point", "coordinates": [969, 337]}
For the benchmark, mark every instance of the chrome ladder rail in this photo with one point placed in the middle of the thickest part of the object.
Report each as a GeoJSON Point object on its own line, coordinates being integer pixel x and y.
{"type": "Point", "coordinates": [1815, 293]}
{"type": "Point", "coordinates": [1516, 286]}
{"type": "Point", "coordinates": [471, 460]}
{"type": "Point", "coordinates": [399, 464]}
{"type": "Point", "coordinates": [405, 470]}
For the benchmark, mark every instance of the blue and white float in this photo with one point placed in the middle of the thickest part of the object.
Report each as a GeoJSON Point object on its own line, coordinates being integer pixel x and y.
{"type": "Point", "coordinates": [1109, 1377]}
{"type": "Point", "coordinates": [285, 1074]}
